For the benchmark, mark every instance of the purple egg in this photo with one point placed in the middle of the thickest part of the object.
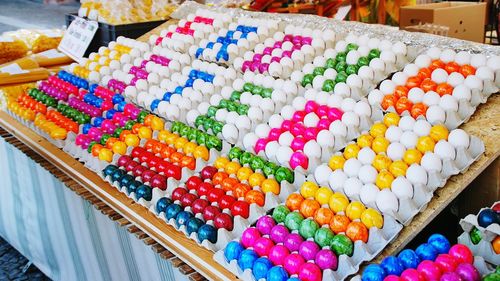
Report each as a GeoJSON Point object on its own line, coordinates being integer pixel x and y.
{"type": "Point", "coordinates": [467, 272]}
{"type": "Point", "coordinates": [308, 249]}
{"type": "Point", "coordinates": [326, 259]}
{"type": "Point", "coordinates": [450, 276]}
{"type": "Point", "coordinates": [279, 233]}
{"type": "Point", "coordinates": [263, 67]}
{"type": "Point", "coordinates": [293, 241]}
{"type": "Point", "coordinates": [265, 224]}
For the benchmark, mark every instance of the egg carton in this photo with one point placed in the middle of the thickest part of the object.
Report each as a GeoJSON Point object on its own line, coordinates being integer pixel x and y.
{"type": "Point", "coordinates": [31, 125]}
{"type": "Point", "coordinates": [484, 248]}
{"type": "Point", "coordinates": [488, 233]}
{"type": "Point", "coordinates": [378, 239]}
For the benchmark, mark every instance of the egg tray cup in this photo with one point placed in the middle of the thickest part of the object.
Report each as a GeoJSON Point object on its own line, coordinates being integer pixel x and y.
{"type": "Point", "coordinates": [487, 233]}
{"type": "Point", "coordinates": [378, 239]}
{"type": "Point", "coordinates": [31, 125]}
{"type": "Point", "coordinates": [484, 248]}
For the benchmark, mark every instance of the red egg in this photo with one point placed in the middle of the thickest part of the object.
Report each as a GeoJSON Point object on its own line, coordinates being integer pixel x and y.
{"type": "Point", "coordinates": [147, 175]}
{"type": "Point", "coordinates": [193, 182]}
{"type": "Point", "coordinates": [131, 165]}
{"type": "Point", "coordinates": [199, 205]}
{"type": "Point", "coordinates": [136, 152]}
{"type": "Point", "coordinates": [226, 201]}
{"type": "Point", "coordinates": [215, 194]}
{"type": "Point", "coordinates": [139, 170]}
{"type": "Point", "coordinates": [241, 208]}
{"type": "Point", "coordinates": [208, 172]}
{"type": "Point", "coordinates": [178, 193]}
{"type": "Point", "coordinates": [223, 220]}
{"type": "Point", "coordinates": [203, 188]}
{"type": "Point", "coordinates": [153, 161]}
{"type": "Point", "coordinates": [210, 212]}
{"type": "Point", "coordinates": [174, 172]}
{"type": "Point", "coordinates": [188, 199]}
{"type": "Point", "coordinates": [123, 160]}
{"type": "Point", "coordinates": [159, 181]}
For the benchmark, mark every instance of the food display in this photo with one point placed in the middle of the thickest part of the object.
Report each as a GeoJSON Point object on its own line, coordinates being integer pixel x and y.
{"type": "Point", "coordinates": [270, 143]}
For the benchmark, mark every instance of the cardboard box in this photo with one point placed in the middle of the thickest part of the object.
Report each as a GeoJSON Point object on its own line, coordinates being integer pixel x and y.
{"type": "Point", "coordinates": [465, 20]}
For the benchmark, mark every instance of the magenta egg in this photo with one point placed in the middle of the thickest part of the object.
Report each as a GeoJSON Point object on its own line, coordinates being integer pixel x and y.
{"type": "Point", "coordinates": [286, 125]}
{"type": "Point", "coordinates": [94, 133]}
{"type": "Point", "coordinates": [310, 272]}
{"type": "Point", "coordinates": [279, 233]}
{"type": "Point", "coordinates": [311, 106]}
{"type": "Point", "coordinates": [324, 124]}
{"type": "Point", "coordinates": [260, 145]}
{"type": "Point", "coordinates": [462, 253]}
{"type": "Point", "coordinates": [80, 139]}
{"type": "Point", "coordinates": [274, 134]}
{"type": "Point", "coordinates": [275, 59]}
{"type": "Point", "coordinates": [308, 249]}
{"type": "Point", "coordinates": [292, 263]}
{"type": "Point", "coordinates": [335, 114]}
{"type": "Point", "coordinates": [430, 270]}
{"type": "Point", "coordinates": [450, 276]}
{"type": "Point", "coordinates": [391, 278]}
{"type": "Point", "coordinates": [411, 274]}
{"type": "Point", "coordinates": [262, 246]}
{"type": "Point", "coordinates": [446, 262]}
{"type": "Point", "coordinates": [263, 67]}
{"type": "Point", "coordinates": [298, 143]}
{"type": "Point", "coordinates": [268, 51]}
{"type": "Point", "coordinates": [246, 65]}
{"type": "Point", "coordinates": [299, 159]}
{"type": "Point", "coordinates": [265, 224]}
{"type": "Point", "coordinates": [311, 133]}
{"type": "Point", "coordinates": [293, 241]}
{"type": "Point", "coordinates": [298, 116]}
{"type": "Point", "coordinates": [277, 254]}
{"type": "Point", "coordinates": [249, 236]}
{"type": "Point", "coordinates": [467, 272]}
{"type": "Point", "coordinates": [286, 54]}
{"type": "Point", "coordinates": [297, 129]}
{"type": "Point", "coordinates": [326, 259]}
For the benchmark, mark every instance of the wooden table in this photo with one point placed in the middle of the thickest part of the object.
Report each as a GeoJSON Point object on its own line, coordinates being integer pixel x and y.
{"type": "Point", "coordinates": [484, 124]}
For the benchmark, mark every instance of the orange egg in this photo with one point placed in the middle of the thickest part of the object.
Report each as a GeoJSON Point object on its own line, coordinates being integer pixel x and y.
{"type": "Point", "coordinates": [229, 183]}
{"type": "Point", "coordinates": [124, 134]}
{"type": "Point", "coordinates": [418, 109]}
{"type": "Point", "coordinates": [157, 148]}
{"type": "Point", "coordinates": [309, 207]}
{"type": "Point", "coordinates": [136, 127]}
{"type": "Point", "coordinates": [424, 73]}
{"type": "Point", "coordinates": [388, 101]}
{"type": "Point", "coordinates": [467, 70]}
{"type": "Point", "coordinates": [496, 245]}
{"type": "Point", "coordinates": [428, 85]}
{"type": "Point", "coordinates": [435, 64]}
{"type": "Point", "coordinates": [241, 189]}
{"type": "Point", "coordinates": [357, 231]}
{"type": "Point", "coordinates": [157, 123]}
{"type": "Point", "coordinates": [148, 119]}
{"type": "Point", "coordinates": [293, 201]}
{"type": "Point", "coordinates": [149, 144]}
{"type": "Point", "coordinates": [95, 149]}
{"type": "Point", "coordinates": [255, 196]}
{"type": "Point", "coordinates": [167, 151]}
{"type": "Point", "coordinates": [452, 67]}
{"type": "Point", "coordinates": [188, 162]}
{"type": "Point", "coordinates": [444, 89]}
{"type": "Point", "coordinates": [110, 142]}
{"type": "Point", "coordinates": [219, 177]}
{"type": "Point", "coordinates": [119, 147]}
{"type": "Point", "coordinates": [403, 104]}
{"type": "Point", "coordinates": [413, 82]}
{"type": "Point", "coordinates": [400, 91]}
{"type": "Point", "coordinates": [176, 157]}
{"type": "Point", "coordinates": [339, 223]}
{"type": "Point", "coordinates": [323, 216]}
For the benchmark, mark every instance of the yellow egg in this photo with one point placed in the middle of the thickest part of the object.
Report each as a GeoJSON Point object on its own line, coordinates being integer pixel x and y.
{"type": "Point", "coordinates": [381, 162]}
{"type": "Point", "coordinates": [323, 195]}
{"type": "Point", "coordinates": [105, 155]}
{"type": "Point", "coordinates": [398, 168]}
{"type": "Point", "coordinates": [58, 133]}
{"type": "Point", "coordinates": [439, 132]}
{"type": "Point", "coordinates": [189, 148]}
{"type": "Point", "coordinates": [132, 140]}
{"type": "Point", "coordinates": [119, 147]}
{"type": "Point", "coordinates": [145, 132]}
{"type": "Point", "coordinates": [157, 123]}
{"type": "Point", "coordinates": [338, 202]}
{"type": "Point", "coordinates": [354, 210]}
{"type": "Point", "coordinates": [391, 118]}
{"type": "Point", "coordinates": [365, 141]}
{"type": "Point", "coordinates": [308, 189]}
{"type": "Point", "coordinates": [270, 185]}
{"type": "Point", "coordinates": [180, 142]}
{"type": "Point", "coordinates": [336, 162]}
{"type": "Point", "coordinates": [380, 144]}
{"type": "Point", "coordinates": [372, 218]}
{"type": "Point", "coordinates": [256, 179]}
{"type": "Point", "coordinates": [351, 151]}
{"type": "Point", "coordinates": [201, 152]}
{"type": "Point", "coordinates": [412, 156]}
{"type": "Point", "coordinates": [232, 167]}
{"type": "Point", "coordinates": [221, 162]}
{"type": "Point", "coordinates": [170, 138]}
{"type": "Point", "coordinates": [384, 179]}
{"type": "Point", "coordinates": [244, 173]}
{"type": "Point", "coordinates": [425, 144]}
{"type": "Point", "coordinates": [378, 130]}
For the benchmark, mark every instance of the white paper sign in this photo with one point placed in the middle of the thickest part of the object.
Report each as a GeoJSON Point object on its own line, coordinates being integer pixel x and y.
{"type": "Point", "coordinates": [77, 38]}
{"type": "Point", "coordinates": [13, 68]}
{"type": "Point", "coordinates": [51, 54]}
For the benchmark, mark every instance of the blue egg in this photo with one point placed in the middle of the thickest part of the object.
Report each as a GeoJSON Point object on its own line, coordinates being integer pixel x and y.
{"type": "Point", "coordinates": [189, 83]}
{"type": "Point", "coordinates": [293, 279]}
{"type": "Point", "coordinates": [178, 90]}
{"type": "Point", "coordinates": [247, 258]}
{"type": "Point", "coordinates": [172, 211]}
{"type": "Point", "coordinates": [121, 106]}
{"type": "Point", "coordinates": [117, 175]}
{"type": "Point", "coordinates": [162, 204]}
{"type": "Point", "coordinates": [126, 180]}
{"type": "Point", "coordinates": [182, 218]}
{"type": "Point", "coordinates": [440, 243]}
{"type": "Point", "coordinates": [86, 128]}
{"type": "Point", "coordinates": [132, 187]}
{"type": "Point", "coordinates": [373, 272]}
{"type": "Point", "coordinates": [117, 98]}
{"type": "Point", "coordinates": [97, 121]}
{"type": "Point", "coordinates": [154, 104]}
{"type": "Point", "coordinates": [144, 191]}
{"type": "Point", "coordinates": [109, 170]}
{"type": "Point", "coordinates": [193, 225]}
{"type": "Point", "coordinates": [93, 87]}
{"type": "Point", "coordinates": [392, 266]}
{"type": "Point", "coordinates": [98, 102]}
{"type": "Point", "coordinates": [277, 273]}
{"type": "Point", "coordinates": [166, 96]}
{"type": "Point", "coordinates": [207, 232]}
{"type": "Point", "coordinates": [233, 250]}
{"type": "Point", "coordinates": [487, 217]}
{"type": "Point", "coordinates": [260, 267]}
{"type": "Point", "coordinates": [110, 113]}
{"type": "Point", "coordinates": [409, 259]}
{"type": "Point", "coordinates": [426, 252]}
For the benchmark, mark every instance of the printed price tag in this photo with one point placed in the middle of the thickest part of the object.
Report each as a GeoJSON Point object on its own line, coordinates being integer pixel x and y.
{"type": "Point", "coordinates": [77, 38]}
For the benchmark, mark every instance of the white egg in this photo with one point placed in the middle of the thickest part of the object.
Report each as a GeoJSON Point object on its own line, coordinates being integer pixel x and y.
{"type": "Point", "coordinates": [399, 48]}
{"type": "Point", "coordinates": [368, 193]}
{"type": "Point", "coordinates": [363, 51]}
{"type": "Point", "coordinates": [478, 60]}
{"type": "Point", "coordinates": [462, 92]}
{"type": "Point", "coordinates": [337, 179]}
{"type": "Point", "coordinates": [350, 119]}
{"type": "Point", "coordinates": [325, 138]}
{"type": "Point", "coordinates": [409, 139]}
{"type": "Point", "coordinates": [485, 73]}
{"type": "Point", "coordinates": [283, 154]}
{"type": "Point", "coordinates": [395, 151]}
{"type": "Point", "coordinates": [385, 45]}
{"type": "Point", "coordinates": [285, 138]}
{"type": "Point", "coordinates": [322, 98]}
{"type": "Point", "coordinates": [351, 167]}
{"type": "Point", "coordinates": [354, 81]}
{"type": "Point", "coordinates": [352, 187]}
{"type": "Point", "coordinates": [352, 57]}
{"type": "Point", "coordinates": [431, 162]}
{"type": "Point", "coordinates": [387, 87]}
{"type": "Point", "coordinates": [275, 121]}
{"type": "Point", "coordinates": [255, 114]}
{"type": "Point", "coordinates": [318, 82]}
{"type": "Point", "coordinates": [232, 117]}
{"type": "Point", "coordinates": [308, 68]}
{"type": "Point", "coordinates": [271, 149]}
{"type": "Point", "coordinates": [249, 141]}
{"type": "Point", "coordinates": [342, 90]}
{"type": "Point", "coordinates": [423, 61]}
{"type": "Point", "coordinates": [299, 103]}
{"type": "Point", "coordinates": [431, 98]}
{"type": "Point", "coordinates": [416, 174]}
{"type": "Point", "coordinates": [375, 97]}
{"type": "Point", "coordinates": [262, 130]}
{"type": "Point", "coordinates": [449, 103]}
{"type": "Point", "coordinates": [367, 174]}
{"type": "Point", "coordinates": [416, 95]}
{"type": "Point", "coordinates": [373, 43]}
{"type": "Point", "coordinates": [322, 173]}
{"type": "Point", "coordinates": [275, 69]}
{"type": "Point", "coordinates": [243, 122]}
{"type": "Point", "coordinates": [255, 100]}
{"type": "Point", "coordinates": [366, 72]}
{"type": "Point", "coordinates": [447, 55]}
{"type": "Point", "coordinates": [330, 54]}
{"type": "Point", "coordinates": [362, 108]}
{"type": "Point", "coordinates": [330, 73]}
{"type": "Point", "coordinates": [388, 56]}
{"type": "Point", "coordinates": [462, 58]}
{"type": "Point", "coordinates": [435, 114]}
{"type": "Point", "coordinates": [494, 63]}
{"type": "Point", "coordinates": [411, 69]}
{"type": "Point", "coordinates": [267, 105]}
{"type": "Point", "coordinates": [310, 94]}
{"type": "Point", "coordinates": [444, 150]}
{"type": "Point", "coordinates": [439, 75]}
{"type": "Point", "coordinates": [377, 64]}
{"type": "Point", "coordinates": [393, 133]}
{"type": "Point", "coordinates": [402, 188]}
{"type": "Point", "coordinates": [312, 149]}
{"type": "Point", "coordinates": [400, 78]}
{"type": "Point", "coordinates": [455, 79]}
{"type": "Point", "coordinates": [287, 112]}
{"type": "Point", "coordinates": [366, 156]}
{"type": "Point", "coordinates": [473, 82]}
{"type": "Point", "coordinates": [387, 202]}
{"type": "Point", "coordinates": [230, 133]}
{"type": "Point", "coordinates": [406, 123]}
{"type": "Point", "coordinates": [422, 128]}
{"type": "Point", "coordinates": [348, 104]}
{"type": "Point", "coordinates": [434, 53]}
{"type": "Point", "coordinates": [458, 138]}
{"type": "Point", "coordinates": [338, 128]}
{"type": "Point", "coordinates": [221, 115]}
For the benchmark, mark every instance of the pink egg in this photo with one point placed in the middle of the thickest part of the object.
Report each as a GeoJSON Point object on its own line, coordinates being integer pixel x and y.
{"type": "Point", "coordinates": [298, 116]}
{"type": "Point", "coordinates": [262, 246]}
{"type": "Point", "coordinates": [335, 114]}
{"type": "Point", "coordinates": [322, 111]}
{"type": "Point", "coordinates": [246, 65]}
{"type": "Point", "coordinates": [298, 129]}
{"type": "Point", "coordinates": [292, 263]}
{"type": "Point", "coordinates": [80, 139]}
{"type": "Point", "coordinates": [324, 124]}
{"type": "Point", "coordinates": [430, 270]}
{"type": "Point", "coordinates": [391, 278]}
{"type": "Point", "coordinates": [311, 133]}
{"type": "Point", "coordinates": [411, 274]}
{"type": "Point", "coordinates": [277, 254]}
{"type": "Point", "coordinates": [310, 272]}
{"type": "Point", "coordinates": [446, 262]}
{"type": "Point", "coordinates": [462, 253]}
{"type": "Point", "coordinates": [311, 106]}
{"type": "Point", "coordinates": [298, 143]}
{"type": "Point", "coordinates": [468, 272]}
{"type": "Point", "coordinates": [249, 237]}
{"type": "Point", "coordinates": [286, 125]}
{"type": "Point", "coordinates": [299, 159]}
{"type": "Point", "coordinates": [274, 134]}
{"type": "Point", "coordinates": [260, 145]}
